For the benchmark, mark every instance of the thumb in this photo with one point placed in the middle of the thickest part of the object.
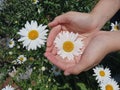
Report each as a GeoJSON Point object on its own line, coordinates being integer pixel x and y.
{"type": "Point", "coordinates": [78, 68]}
{"type": "Point", "coordinates": [52, 35]}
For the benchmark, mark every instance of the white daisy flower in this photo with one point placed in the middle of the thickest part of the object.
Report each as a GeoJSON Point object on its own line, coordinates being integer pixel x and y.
{"type": "Point", "coordinates": [13, 73]}
{"type": "Point", "coordinates": [115, 26]}
{"type": "Point", "coordinates": [8, 87]}
{"type": "Point", "coordinates": [101, 73]}
{"type": "Point", "coordinates": [109, 84]}
{"type": "Point", "coordinates": [35, 1]}
{"type": "Point", "coordinates": [11, 43]}
{"type": "Point", "coordinates": [32, 35]}
{"type": "Point", "coordinates": [68, 44]}
{"type": "Point", "coordinates": [21, 59]}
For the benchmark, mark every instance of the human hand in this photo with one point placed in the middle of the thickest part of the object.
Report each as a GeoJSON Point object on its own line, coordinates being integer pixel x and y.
{"type": "Point", "coordinates": [82, 23]}
{"type": "Point", "coordinates": [75, 21]}
{"type": "Point", "coordinates": [63, 61]}
{"type": "Point", "coordinates": [52, 55]}
{"type": "Point", "coordinates": [72, 21]}
{"type": "Point", "coordinates": [99, 44]}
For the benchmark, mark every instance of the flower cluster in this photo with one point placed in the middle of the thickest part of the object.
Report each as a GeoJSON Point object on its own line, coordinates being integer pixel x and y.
{"type": "Point", "coordinates": [103, 77]}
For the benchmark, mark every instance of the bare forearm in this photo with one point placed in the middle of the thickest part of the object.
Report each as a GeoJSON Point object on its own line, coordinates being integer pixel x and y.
{"type": "Point", "coordinates": [104, 10]}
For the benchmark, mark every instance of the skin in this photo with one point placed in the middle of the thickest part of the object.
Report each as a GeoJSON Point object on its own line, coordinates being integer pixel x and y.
{"type": "Point", "coordinates": [88, 25]}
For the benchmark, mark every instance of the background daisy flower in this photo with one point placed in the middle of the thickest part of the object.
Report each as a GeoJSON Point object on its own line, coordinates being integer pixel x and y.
{"type": "Point", "coordinates": [21, 59]}
{"type": "Point", "coordinates": [13, 72]}
{"type": "Point", "coordinates": [68, 44]}
{"type": "Point", "coordinates": [35, 1]}
{"type": "Point", "coordinates": [33, 36]}
{"type": "Point", "coordinates": [8, 87]}
{"type": "Point", "coordinates": [25, 75]}
{"type": "Point", "coordinates": [109, 84]}
{"type": "Point", "coordinates": [115, 26]}
{"type": "Point", "coordinates": [11, 43]}
{"type": "Point", "coordinates": [101, 73]}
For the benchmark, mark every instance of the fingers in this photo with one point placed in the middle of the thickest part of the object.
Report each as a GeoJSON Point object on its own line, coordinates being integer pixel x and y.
{"type": "Point", "coordinates": [52, 35]}
{"type": "Point", "coordinates": [62, 19]}
{"type": "Point", "coordinates": [52, 58]}
{"type": "Point", "coordinates": [54, 51]}
{"type": "Point", "coordinates": [49, 48]}
{"type": "Point", "coordinates": [78, 68]}
{"type": "Point", "coordinates": [58, 61]}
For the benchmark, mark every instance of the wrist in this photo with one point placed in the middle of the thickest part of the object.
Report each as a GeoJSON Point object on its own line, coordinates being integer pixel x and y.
{"type": "Point", "coordinates": [109, 40]}
{"type": "Point", "coordinates": [114, 40]}
{"type": "Point", "coordinates": [97, 20]}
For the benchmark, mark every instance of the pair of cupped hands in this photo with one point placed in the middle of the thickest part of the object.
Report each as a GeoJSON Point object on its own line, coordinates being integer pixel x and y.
{"type": "Point", "coordinates": [96, 42]}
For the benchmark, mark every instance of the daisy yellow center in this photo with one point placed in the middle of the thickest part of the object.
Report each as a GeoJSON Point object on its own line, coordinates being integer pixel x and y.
{"type": "Point", "coordinates": [33, 34]}
{"type": "Point", "coordinates": [34, 0]}
{"type": "Point", "coordinates": [21, 58]}
{"type": "Point", "coordinates": [68, 46]}
{"type": "Point", "coordinates": [116, 27]}
{"type": "Point", "coordinates": [109, 87]}
{"type": "Point", "coordinates": [102, 73]}
{"type": "Point", "coordinates": [10, 42]}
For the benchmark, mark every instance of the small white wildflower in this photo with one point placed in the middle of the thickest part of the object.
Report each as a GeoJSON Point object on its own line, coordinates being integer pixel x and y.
{"type": "Point", "coordinates": [21, 59]}
{"type": "Point", "coordinates": [8, 87]}
{"type": "Point", "coordinates": [35, 1]}
{"type": "Point", "coordinates": [39, 11]}
{"type": "Point", "coordinates": [10, 52]}
{"type": "Point", "coordinates": [43, 68]}
{"type": "Point", "coordinates": [11, 43]}
{"type": "Point", "coordinates": [18, 47]}
{"type": "Point", "coordinates": [13, 73]}
{"type": "Point", "coordinates": [115, 27]}
{"type": "Point", "coordinates": [29, 88]}
{"type": "Point", "coordinates": [49, 80]}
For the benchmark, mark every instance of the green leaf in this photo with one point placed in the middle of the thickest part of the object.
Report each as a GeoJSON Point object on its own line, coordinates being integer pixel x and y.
{"type": "Point", "coordinates": [82, 86]}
